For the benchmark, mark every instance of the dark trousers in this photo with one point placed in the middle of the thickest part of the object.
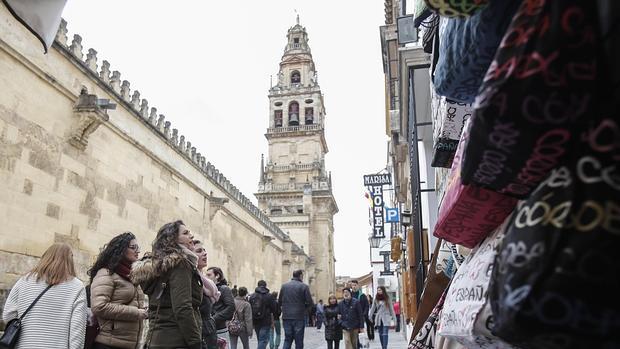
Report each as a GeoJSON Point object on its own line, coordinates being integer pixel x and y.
{"type": "Point", "coordinates": [262, 335]}
{"type": "Point", "coordinates": [370, 329]}
{"type": "Point", "coordinates": [397, 322]}
{"type": "Point", "coordinates": [293, 331]}
{"type": "Point", "coordinates": [319, 320]}
{"type": "Point", "coordinates": [333, 344]}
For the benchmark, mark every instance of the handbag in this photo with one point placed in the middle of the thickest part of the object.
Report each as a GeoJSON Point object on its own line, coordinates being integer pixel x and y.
{"type": "Point", "coordinates": [540, 83]}
{"type": "Point", "coordinates": [13, 327]}
{"type": "Point", "coordinates": [221, 343]}
{"type": "Point", "coordinates": [235, 327]}
{"type": "Point", "coordinates": [466, 315]}
{"type": "Point", "coordinates": [557, 276]}
{"type": "Point", "coordinates": [469, 213]}
{"type": "Point", "coordinates": [425, 337]}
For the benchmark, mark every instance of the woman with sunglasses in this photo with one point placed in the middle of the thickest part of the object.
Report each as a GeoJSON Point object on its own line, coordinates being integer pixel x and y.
{"type": "Point", "coordinates": [117, 304]}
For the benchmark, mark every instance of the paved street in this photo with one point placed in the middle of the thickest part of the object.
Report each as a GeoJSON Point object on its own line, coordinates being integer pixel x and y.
{"type": "Point", "coordinates": [316, 340]}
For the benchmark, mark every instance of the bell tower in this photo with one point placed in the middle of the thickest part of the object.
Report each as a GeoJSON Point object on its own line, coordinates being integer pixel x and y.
{"type": "Point", "coordinates": [295, 189]}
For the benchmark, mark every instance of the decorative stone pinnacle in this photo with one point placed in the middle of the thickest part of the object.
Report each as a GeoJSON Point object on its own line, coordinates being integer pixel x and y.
{"type": "Point", "coordinates": [153, 116]}
{"type": "Point", "coordinates": [91, 59]}
{"type": "Point", "coordinates": [175, 136]}
{"type": "Point", "coordinates": [104, 74]}
{"type": "Point", "coordinates": [193, 154]}
{"type": "Point", "coordinates": [167, 130]}
{"type": "Point", "coordinates": [188, 149]}
{"type": "Point", "coordinates": [182, 143]}
{"type": "Point", "coordinates": [61, 34]}
{"type": "Point", "coordinates": [115, 81]}
{"type": "Point", "coordinates": [160, 123]}
{"type": "Point", "coordinates": [144, 109]}
{"type": "Point", "coordinates": [76, 46]}
{"type": "Point", "coordinates": [135, 100]}
{"type": "Point", "coordinates": [125, 90]}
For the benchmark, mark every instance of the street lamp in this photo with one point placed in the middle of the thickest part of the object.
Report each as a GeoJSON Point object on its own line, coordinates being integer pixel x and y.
{"type": "Point", "coordinates": [375, 241]}
{"type": "Point", "coordinates": [405, 218]}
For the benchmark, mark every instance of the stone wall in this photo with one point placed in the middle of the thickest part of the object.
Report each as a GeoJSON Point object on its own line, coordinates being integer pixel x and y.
{"type": "Point", "coordinates": [83, 177]}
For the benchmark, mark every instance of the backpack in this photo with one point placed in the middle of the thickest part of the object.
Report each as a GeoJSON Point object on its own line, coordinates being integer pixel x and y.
{"type": "Point", "coordinates": [259, 306]}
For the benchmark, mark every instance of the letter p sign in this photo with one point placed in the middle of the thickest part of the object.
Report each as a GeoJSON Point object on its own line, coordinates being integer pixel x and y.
{"type": "Point", "coordinates": [391, 215]}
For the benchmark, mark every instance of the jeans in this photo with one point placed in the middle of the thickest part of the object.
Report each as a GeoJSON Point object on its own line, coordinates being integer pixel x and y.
{"type": "Point", "coordinates": [333, 344]}
{"type": "Point", "coordinates": [245, 341]}
{"type": "Point", "coordinates": [383, 335]}
{"type": "Point", "coordinates": [262, 335]}
{"type": "Point", "coordinates": [293, 330]}
{"type": "Point", "coordinates": [274, 335]}
{"type": "Point", "coordinates": [319, 320]}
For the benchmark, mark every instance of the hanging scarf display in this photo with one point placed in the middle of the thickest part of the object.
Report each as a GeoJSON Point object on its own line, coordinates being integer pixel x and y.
{"type": "Point", "coordinates": [469, 213]}
{"type": "Point", "coordinates": [449, 118]}
{"type": "Point", "coordinates": [540, 83]}
{"type": "Point", "coordinates": [456, 8]}
{"type": "Point", "coordinates": [467, 47]}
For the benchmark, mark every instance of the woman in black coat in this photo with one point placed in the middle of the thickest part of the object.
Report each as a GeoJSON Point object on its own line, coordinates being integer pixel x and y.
{"type": "Point", "coordinates": [333, 330]}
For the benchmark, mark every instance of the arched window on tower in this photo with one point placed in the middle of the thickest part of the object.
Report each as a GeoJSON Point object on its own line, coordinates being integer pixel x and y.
{"type": "Point", "coordinates": [295, 77]}
{"type": "Point", "coordinates": [309, 115]}
{"type": "Point", "coordinates": [277, 118]}
{"type": "Point", "coordinates": [293, 114]}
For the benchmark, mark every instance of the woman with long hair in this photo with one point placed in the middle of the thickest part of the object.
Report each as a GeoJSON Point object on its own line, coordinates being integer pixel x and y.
{"type": "Point", "coordinates": [174, 287]}
{"type": "Point", "coordinates": [210, 295]}
{"type": "Point", "coordinates": [333, 330]}
{"type": "Point", "coordinates": [115, 301]}
{"type": "Point", "coordinates": [224, 308]}
{"type": "Point", "coordinates": [384, 314]}
{"type": "Point", "coordinates": [58, 319]}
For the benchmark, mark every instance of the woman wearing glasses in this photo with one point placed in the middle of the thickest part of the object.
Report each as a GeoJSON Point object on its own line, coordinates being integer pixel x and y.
{"type": "Point", "coordinates": [115, 301]}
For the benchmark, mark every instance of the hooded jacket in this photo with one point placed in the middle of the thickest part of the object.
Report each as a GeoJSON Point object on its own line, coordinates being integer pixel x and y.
{"type": "Point", "coordinates": [116, 303]}
{"type": "Point", "coordinates": [268, 305]}
{"type": "Point", "coordinates": [176, 287]}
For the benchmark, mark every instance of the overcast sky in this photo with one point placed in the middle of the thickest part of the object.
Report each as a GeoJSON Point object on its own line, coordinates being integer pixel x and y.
{"type": "Point", "coordinates": [206, 65]}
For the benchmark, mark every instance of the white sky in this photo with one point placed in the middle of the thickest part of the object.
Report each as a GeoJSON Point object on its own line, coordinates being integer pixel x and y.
{"type": "Point", "coordinates": [206, 66]}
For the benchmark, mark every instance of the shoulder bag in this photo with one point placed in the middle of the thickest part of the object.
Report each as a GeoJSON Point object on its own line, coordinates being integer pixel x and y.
{"type": "Point", "coordinates": [13, 328]}
{"type": "Point", "coordinates": [235, 326]}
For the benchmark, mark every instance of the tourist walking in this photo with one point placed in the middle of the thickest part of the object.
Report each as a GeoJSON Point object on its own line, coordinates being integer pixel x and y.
{"type": "Point", "coordinates": [320, 315]}
{"type": "Point", "coordinates": [58, 319]}
{"type": "Point", "coordinates": [210, 295]}
{"type": "Point", "coordinates": [115, 301]}
{"type": "Point", "coordinates": [224, 308]}
{"type": "Point", "coordinates": [397, 313]}
{"type": "Point", "coordinates": [171, 280]}
{"type": "Point", "coordinates": [356, 293]}
{"type": "Point", "coordinates": [295, 300]}
{"type": "Point", "coordinates": [263, 307]}
{"type": "Point", "coordinates": [370, 326]}
{"type": "Point", "coordinates": [351, 318]}
{"type": "Point", "coordinates": [384, 314]}
{"type": "Point", "coordinates": [243, 314]}
{"type": "Point", "coordinates": [333, 330]}
{"type": "Point", "coordinates": [276, 328]}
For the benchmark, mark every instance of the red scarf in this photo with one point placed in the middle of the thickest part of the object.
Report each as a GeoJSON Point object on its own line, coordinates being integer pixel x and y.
{"type": "Point", "coordinates": [123, 269]}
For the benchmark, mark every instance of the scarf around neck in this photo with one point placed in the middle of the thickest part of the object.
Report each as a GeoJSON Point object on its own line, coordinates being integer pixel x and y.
{"type": "Point", "coordinates": [123, 269]}
{"type": "Point", "coordinates": [210, 289]}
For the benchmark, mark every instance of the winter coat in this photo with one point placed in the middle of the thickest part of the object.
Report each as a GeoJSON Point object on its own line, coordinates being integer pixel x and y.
{"type": "Point", "coordinates": [57, 321]}
{"type": "Point", "coordinates": [224, 308]}
{"type": "Point", "coordinates": [351, 314]}
{"type": "Point", "coordinates": [385, 312]}
{"type": "Point", "coordinates": [333, 330]}
{"type": "Point", "coordinates": [209, 336]}
{"type": "Point", "coordinates": [268, 305]}
{"type": "Point", "coordinates": [178, 323]}
{"type": "Point", "coordinates": [244, 314]}
{"type": "Point", "coordinates": [295, 300]}
{"type": "Point", "coordinates": [117, 304]}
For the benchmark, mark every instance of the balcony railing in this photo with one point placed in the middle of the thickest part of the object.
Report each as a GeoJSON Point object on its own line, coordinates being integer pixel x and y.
{"type": "Point", "coordinates": [313, 127]}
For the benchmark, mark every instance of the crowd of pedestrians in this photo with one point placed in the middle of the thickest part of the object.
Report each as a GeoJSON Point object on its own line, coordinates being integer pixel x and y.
{"type": "Point", "coordinates": [188, 304]}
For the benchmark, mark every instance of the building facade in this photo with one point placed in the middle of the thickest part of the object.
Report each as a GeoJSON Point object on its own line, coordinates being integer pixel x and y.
{"type": "Point", "coordinates": [295, 189]}
{"type": "Point", "coordinates": [75, 172]}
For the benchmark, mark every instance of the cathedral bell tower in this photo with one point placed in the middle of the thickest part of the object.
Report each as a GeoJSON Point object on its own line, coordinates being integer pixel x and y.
{"type": "Point", "coordinates": [295, 189]}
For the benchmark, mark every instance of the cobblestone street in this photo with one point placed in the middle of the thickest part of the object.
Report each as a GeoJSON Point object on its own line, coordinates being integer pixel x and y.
{"type": "Point", "coordinates": [314, 339]}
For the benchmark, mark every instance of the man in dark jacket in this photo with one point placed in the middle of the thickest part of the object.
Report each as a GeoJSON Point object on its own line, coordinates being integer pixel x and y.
{"type": "Point", "coordinates": [361, 297]}
{"type": "Point", "coordinates": [263, 310]}
{"type": "Point", "coordinates": [351, 318]}
{"type": "Point", "coordinates": [295, 300]}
